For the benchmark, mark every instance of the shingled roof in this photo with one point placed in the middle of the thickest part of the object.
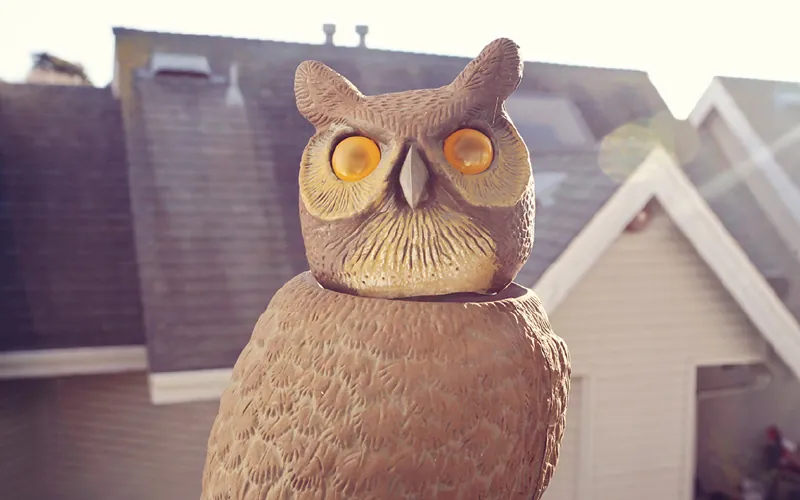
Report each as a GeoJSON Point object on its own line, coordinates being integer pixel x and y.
{"type": "Point", "coordinates": [213, 162]}
{"type": "Point", "coordinates": [210, 187]}
{"type": "Point", "coordinates": [68, 269]}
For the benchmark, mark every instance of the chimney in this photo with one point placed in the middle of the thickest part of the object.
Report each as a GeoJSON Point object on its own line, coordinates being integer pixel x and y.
{"type": "Point", "coordinates": [362, 31]}
{"type": "Point", "coordinates": [329, 30]}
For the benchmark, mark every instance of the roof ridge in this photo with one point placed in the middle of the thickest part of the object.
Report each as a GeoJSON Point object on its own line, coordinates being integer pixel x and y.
{"type": "Point", "coordinates": [756, 80]}
{"type": "Point", "coordinates": [119, 30]}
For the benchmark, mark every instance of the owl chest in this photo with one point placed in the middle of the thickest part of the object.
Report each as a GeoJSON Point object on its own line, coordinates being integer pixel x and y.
{"type": "Point", "coordinates": [386, 400]}
{"type": "Point", "coordinates": [377, 380]}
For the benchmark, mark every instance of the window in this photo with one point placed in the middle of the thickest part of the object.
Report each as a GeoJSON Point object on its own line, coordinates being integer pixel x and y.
{"type": "Point", "coordinates": [548, 121]}
{"type": "Point", "coordinates": [191, 65]}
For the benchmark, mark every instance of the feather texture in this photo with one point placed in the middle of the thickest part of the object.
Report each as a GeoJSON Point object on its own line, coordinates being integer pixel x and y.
{"type": "Point", "coordinates": [345, 397]}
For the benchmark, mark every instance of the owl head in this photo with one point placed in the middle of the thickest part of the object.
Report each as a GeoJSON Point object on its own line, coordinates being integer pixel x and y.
{"type": "Point", "coordinates": [417, 193]}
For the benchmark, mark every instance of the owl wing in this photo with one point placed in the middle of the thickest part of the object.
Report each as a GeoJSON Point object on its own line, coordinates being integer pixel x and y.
{"type": "Point", "coordinates": [555, 392]}
{"type": "Point", "coordinates": [263, 441]}
{"type": "Point", "coordinates": [225, 444]}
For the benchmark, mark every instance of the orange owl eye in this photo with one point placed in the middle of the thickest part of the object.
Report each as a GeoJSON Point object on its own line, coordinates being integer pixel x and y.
{"type": "Point", "coordinates": [355, 158]}
{"type": "Point", "coordinates": [468, 151]}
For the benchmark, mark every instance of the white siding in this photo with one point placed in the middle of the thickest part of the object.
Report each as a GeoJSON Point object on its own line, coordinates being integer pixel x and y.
{"type": "Point", "coordinates": [107, 441]}
{"type": "Point", "coordinates": [19, 474]}
{"type": "Point", "coordinates": [638, 325]}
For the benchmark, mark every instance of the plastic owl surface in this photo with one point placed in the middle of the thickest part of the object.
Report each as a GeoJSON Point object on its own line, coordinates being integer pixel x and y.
{"type": "Point", "coordinates": [447, 204]}
{"type": "Point", "coordinates": [405, 364]}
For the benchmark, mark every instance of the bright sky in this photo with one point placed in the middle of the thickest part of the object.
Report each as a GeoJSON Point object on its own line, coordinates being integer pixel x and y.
{"type": "Point", "coordinates": [681, 43]}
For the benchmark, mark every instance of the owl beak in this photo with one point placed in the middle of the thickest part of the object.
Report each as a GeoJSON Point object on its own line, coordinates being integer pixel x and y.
{"type": "Point", "coordinates": [413, 177]}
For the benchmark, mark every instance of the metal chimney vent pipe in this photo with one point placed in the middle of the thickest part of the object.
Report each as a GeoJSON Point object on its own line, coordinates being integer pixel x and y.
{"type": "Point", "coordinates": [329, 30]}
{"type": "Point", "coordinates": [362, 31]}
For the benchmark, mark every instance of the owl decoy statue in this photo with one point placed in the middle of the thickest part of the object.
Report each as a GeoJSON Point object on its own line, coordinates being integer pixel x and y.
{"type": "Point", "coordinates": [405, 364]}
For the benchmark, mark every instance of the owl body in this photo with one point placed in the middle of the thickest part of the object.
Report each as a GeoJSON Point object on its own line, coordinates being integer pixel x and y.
{"type": "Point", "coordinates": [344, 397]}
{"type": "Point", "coordinates": [405, 364]}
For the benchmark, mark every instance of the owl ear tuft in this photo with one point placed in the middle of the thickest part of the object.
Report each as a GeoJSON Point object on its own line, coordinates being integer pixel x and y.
{"type": "Point", "coordinates": [494, 74]}
{"type": "Point", "coordinates": [322, 94]}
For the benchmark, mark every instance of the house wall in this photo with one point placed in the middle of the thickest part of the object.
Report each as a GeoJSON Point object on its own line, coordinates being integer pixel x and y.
{"type": "Point", "coordinates": [638, 325]}
{"type": "Point", "coordinates": [18, 440]}
{"type": "Point", "coordinates": [107, 441]}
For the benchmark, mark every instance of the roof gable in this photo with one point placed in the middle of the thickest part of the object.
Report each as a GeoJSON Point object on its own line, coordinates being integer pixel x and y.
{"type": "Point", "coordinates": [661, 178]}
{"type": "Point", "coordinates": [767, 126]}
{"type": "Point", "coordinates": [767, 180]}
{"type": "Point", "coordinates": [773, 164]}
{"type": "Point", "coordinates": [728, 195]}
{"type": "Point", "coordinates": [772, 107]}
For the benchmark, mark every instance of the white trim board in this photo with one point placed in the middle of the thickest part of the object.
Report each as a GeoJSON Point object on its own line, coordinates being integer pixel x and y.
{"type": "Point", "coordinates": [73, 361]}
{"type": "Point", "coordinates": [717, 98]}
{"type": "Point", "coordinates": [188, 386]}
{"type": "Point", "coordinates": [690, 427]}
{"type": "Point", "coordinates": [661, 178]}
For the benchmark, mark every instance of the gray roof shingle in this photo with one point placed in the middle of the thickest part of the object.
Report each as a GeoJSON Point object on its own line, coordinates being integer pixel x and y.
{"type": "Point", "coordinates": [69, 275]}
{"type": "Point", "coordinates": [217, 218]}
